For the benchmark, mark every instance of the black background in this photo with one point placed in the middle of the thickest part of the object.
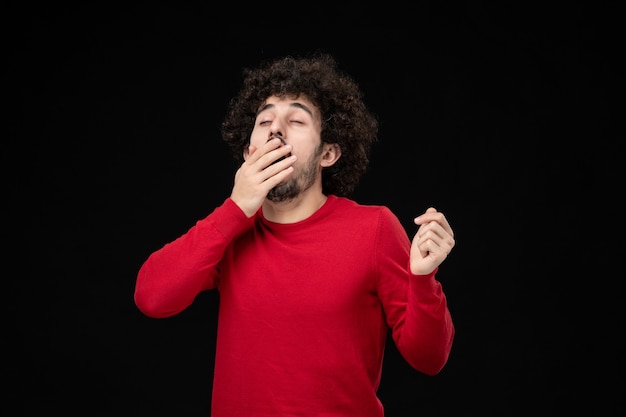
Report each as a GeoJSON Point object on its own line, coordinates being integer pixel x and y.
{"type": "Point", "coordinates": [508, 118]}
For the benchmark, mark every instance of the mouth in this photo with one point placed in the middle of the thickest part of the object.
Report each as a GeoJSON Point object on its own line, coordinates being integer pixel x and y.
{"type": "Point", "coordinates": [284, 143]}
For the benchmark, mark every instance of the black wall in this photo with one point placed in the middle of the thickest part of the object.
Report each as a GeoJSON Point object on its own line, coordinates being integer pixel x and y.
{"type": "Point", "coordinates": [507, 118]}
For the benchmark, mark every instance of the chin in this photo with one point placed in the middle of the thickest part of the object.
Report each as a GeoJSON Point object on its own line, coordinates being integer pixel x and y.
{"type": "Point", "coordinates": [283, 192]}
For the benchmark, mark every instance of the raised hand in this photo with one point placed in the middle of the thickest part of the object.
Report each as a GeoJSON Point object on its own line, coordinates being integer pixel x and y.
{"type": "Point", "coordinates": [259, 174]}
{"type": "Point", "coordinates": [432, 243]}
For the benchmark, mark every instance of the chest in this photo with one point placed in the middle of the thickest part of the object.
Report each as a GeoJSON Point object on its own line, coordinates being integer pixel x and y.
{"type": "Point", "coordinates": [314, 274]}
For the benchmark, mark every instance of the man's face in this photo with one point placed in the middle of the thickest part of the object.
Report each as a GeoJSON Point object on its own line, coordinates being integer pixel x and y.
{"type": "Point", "coordinates": [298, 123]}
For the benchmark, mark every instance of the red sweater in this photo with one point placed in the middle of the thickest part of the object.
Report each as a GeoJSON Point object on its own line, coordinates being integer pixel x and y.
{"type": "Point", "coordinates": [304, 308]}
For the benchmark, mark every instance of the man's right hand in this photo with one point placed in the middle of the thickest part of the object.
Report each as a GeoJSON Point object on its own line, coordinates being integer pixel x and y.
{"type": "Point", "coordinates": [259, 174]}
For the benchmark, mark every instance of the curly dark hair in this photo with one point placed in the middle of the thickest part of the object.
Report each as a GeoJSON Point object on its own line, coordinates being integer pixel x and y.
{"type": "Point", "coordinates": [345, 118]}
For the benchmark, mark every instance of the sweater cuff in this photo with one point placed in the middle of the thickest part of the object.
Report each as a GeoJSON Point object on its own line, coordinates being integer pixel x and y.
{"type": "Point", "coordinates": [229, 220]}
{"type": "Point", "coordinates": [426, 281]}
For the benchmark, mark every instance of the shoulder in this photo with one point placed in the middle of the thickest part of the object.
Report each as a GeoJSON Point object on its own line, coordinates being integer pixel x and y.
{"type": "Point", "coordinates": [371, 223]}
{"type": "Point", "coordinates": [362, 212]}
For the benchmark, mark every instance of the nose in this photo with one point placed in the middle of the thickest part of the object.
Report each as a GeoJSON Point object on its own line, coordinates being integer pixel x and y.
{"type": "Point", "coordinates": [276, 129]}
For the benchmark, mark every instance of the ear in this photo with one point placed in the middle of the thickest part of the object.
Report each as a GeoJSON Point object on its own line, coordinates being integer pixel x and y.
{"type": "Point", "coordinates": [330, 155]}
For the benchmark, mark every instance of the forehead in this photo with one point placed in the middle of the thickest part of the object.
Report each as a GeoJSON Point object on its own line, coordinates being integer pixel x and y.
{"type": "Point", "coordinates": [289, 103]}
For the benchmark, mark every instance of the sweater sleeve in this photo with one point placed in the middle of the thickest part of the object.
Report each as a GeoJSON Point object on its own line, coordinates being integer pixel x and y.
{"type": "Point", "coordinates": [415, 305]}
{"type": "Point", "coordinates": [171, 277]}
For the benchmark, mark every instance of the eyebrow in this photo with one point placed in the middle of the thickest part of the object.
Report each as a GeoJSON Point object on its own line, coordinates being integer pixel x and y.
{"type": "Point", "coordinates": [295, 104]}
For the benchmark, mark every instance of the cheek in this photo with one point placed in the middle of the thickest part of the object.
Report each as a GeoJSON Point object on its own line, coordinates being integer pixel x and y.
{"type": "Point", "coordinates": [256, 139]}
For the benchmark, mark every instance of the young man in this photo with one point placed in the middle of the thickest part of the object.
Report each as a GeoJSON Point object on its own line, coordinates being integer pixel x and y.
{"type": "Point", "coordinates": [310, 282]}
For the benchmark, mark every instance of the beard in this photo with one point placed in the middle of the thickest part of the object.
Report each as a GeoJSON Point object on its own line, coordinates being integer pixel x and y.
{"type": "Point", "coordinates": [298, 183]}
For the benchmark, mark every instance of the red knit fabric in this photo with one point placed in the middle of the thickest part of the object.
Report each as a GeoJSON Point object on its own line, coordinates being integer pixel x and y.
{"type": "Point", "coordinates": [304, 308]}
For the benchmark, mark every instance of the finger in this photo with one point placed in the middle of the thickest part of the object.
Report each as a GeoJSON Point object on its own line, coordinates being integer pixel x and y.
{"type": "Point", "coordinates": [429, 236]}
{"type": "Point", "coordinates": [278, 176]}
{"type": "Point", "coordinates": [255, 154]}
{"type": "Point", "coordinates": [275, 168]}
{"type": "Point", "coordinates": [435, 229]}
{"type": "Point", "coordinates": [441, 235]}
{"type": "Point", "coordinates": [433, 216]}
{"type": "Point", "coordinates": [430, 247]}
{"type": "Point", "coordinates": [426, 216]}
{"type": "Point", "coordinates": [283, 152]}
{"type": "Point", "coordinates": [274, 155]}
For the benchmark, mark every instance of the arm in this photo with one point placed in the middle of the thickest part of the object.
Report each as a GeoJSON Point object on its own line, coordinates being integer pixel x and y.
{"type": "Point", "coordinates": [426, 338]}
{"type": "Point", "coordinates": [171, 277]}
{"type": "Point", "coordinates": [415, 304]}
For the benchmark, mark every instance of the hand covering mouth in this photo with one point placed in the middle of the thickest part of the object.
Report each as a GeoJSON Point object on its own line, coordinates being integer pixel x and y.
{"type": "Point", "coordinates": [284, 143]}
